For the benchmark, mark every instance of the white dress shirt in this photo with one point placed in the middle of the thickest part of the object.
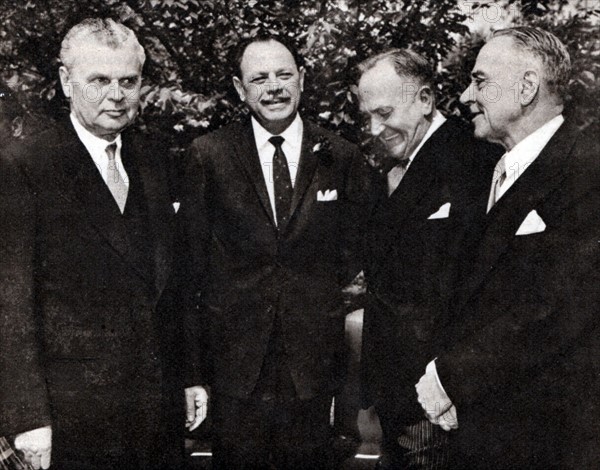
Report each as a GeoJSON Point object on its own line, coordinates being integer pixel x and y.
{"type": "Point", "coordinates": [292, 146]}
{"type": "Point", "coordinates": [96, 147]}
{"type": "Point", "coordinates": [518, 159]}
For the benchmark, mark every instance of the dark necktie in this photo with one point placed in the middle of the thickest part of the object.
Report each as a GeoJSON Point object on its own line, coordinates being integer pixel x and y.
{"type": "Point", "coordinates": [282, 182]}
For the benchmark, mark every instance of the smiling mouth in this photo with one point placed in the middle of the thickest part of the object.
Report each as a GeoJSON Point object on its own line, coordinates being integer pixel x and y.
{"type": "Point", "coordinates": [275, 102]}
{"type": "Point", "coordinates": [391, 137]}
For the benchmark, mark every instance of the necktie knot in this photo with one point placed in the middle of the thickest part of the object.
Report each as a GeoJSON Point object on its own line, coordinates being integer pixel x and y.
{"type": "Point", "coordinates": [277, 141]}
{"type": "Point", "coordinates": [500, 170]}
{"type": "Point", "coordinates": [497, 181]}
{"type": "Point", "coordinates": [111, 151]}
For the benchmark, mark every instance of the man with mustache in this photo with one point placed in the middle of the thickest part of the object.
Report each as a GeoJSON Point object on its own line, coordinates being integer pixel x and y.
{"type": "Point", "coordinates": [89, 373]}
{"type": "Point", "coordinates": [519, 376]}
{"type": "Point", "coordinates": [271, 212]}
{"type": "Point", "coordinates": [434, 175]}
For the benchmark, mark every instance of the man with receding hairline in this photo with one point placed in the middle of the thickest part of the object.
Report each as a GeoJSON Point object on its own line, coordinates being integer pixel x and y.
{"type": "Point", "coordinates": [85, 261]}
{"type": "Point", "coordinates": [435, 178]}
{"type": "Point", "coordinates": [519, 378]}
{"type": "Point", "coordinates": [269, 209]}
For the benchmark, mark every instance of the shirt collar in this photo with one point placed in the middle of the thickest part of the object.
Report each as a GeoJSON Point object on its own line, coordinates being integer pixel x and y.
{"type": "Point", "coordinates": [436, 123]}
{"type": "Point", "coordinates": [93, 143]}
{"type": "Point", "coordinates": [526, 151]}
{"type": "Point", "coordinates": [292, 135]}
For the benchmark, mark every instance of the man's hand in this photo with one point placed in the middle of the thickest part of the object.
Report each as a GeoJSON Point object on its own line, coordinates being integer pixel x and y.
{"type": "Point", "coordinates": [36, 446]}
{"type": "Point", "coordinates": [196, 403]}
{"type": "Point", "coordinates": [436, 403]}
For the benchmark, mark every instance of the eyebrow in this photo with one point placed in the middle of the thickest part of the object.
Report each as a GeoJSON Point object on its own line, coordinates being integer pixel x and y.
{"type": "Point", "coordinates": [478, 74]}
{"type": "Point", "coordinates": [378, 109]}
{"type": "Point", "coordinates": [278, 71]}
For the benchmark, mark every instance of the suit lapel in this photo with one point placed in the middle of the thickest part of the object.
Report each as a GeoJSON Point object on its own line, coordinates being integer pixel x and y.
{"type": "Point", "coordinates": [307, 166]}
{"type": "Point", "coordinates": [417, 184]}
{"type": "Point", "coordinates": [245, 154]}
{"type": "Point", "coordinates": [159, 209]}
{"type": "Point", "coordinates": [79, 181]}
{"type": "Point", "coordinates": [536, 182]}
{"type": "Point", "coordinates": [422, 173]}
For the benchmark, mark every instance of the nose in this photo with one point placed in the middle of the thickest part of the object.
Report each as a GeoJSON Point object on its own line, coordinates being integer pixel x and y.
{"type": "Point", "coordinates": [274, 85]}
{"type": "Point", "coordinates": [376, 126]}
{"type": "Point", "coordinates": [116, 93]}
{"type": "Point", "coordinates": [468, 96]}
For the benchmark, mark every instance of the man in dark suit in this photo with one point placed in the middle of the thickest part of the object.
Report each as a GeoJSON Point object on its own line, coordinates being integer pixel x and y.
{"type": "Point", "coordinates": [435, 175]}
{"type": "Point", "coordinates": [519, 377]}
{"type": "Point", "coordinates": [86, 254]}
{"type": "Point", "coordinates": [271, 210]}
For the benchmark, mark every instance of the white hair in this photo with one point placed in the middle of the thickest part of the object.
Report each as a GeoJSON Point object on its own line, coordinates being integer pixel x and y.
{"type": "Point", "coordinates": [104, 31]}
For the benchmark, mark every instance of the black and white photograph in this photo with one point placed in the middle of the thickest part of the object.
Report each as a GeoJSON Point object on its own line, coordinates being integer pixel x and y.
{"type": "Point", "coordinates": [299, 234]}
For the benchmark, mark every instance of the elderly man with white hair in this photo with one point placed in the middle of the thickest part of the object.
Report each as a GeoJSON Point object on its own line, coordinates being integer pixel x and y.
{"type": "Point", "coordinates": [518, 381]}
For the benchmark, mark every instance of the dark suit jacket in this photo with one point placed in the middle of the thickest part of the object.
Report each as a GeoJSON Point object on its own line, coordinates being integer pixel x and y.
{"type": "Point", "coordinates": [243, 270]}
{"type": "Point", "coordinates": [408, 273]}
{"type": "Point", "coordinates": [523, 346]}
{"type": "Point", "coordinates": [85, 346]}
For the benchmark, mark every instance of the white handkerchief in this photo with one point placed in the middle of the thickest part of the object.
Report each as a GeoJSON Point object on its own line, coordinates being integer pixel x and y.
{"type": "Point", "coordinates": [533, 223]}
{"type": "Point", "coordinates": [176, 206]}
{"type": "Point", "coordinates": [328, 195]}
{"type": "Point", "coordinates": [442, 213]}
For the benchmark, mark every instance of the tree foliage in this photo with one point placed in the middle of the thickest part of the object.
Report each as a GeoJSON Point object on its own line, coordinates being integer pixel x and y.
{"type": "Point", "coordinates": [187, 86]}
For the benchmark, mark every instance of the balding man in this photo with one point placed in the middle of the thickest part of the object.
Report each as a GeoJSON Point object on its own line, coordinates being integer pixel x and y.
{"type": "Point", "coordinates": [520, 376]}
{"type": "Point", "coordinates": [85, 258]}
{"type": "Point", "coordinates": [436, 176]}
{"type": "Point", "coordinates": [268, 210]}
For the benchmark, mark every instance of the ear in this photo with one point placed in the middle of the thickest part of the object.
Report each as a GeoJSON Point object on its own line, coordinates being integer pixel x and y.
{"type": "Point", "coordinates": [425, 97]}
{"type": "Point", "coordinates": [17, 126]}
{"type": "Point", "coordinates": [530, 85]}
{"type": "Point", "coordinates": [239, 87]}
{"type": "Point", "coordinates": [63, 72]}
{"type": "Point", "coordinates": [301, 73]}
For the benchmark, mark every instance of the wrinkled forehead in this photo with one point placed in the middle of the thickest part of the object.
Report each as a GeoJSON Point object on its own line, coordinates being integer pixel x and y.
{"type": "Point", "coordinates": [267, 56]}
{"type": "Point", "coordinates": [381, 86]}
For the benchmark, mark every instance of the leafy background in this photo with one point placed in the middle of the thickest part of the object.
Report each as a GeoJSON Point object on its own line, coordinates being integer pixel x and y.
{"type": "Point", "coordinates": [187, 79]}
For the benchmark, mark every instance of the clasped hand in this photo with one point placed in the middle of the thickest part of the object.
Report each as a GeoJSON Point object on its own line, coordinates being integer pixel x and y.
{"type": "Point", "coordinates": [36, 446]}
{"type": "Point", "coordinates": [196, 401]}
{"type": "Point", "coordinates": [436, 403]}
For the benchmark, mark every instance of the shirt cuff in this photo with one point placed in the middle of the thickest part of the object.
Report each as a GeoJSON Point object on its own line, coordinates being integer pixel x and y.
{"type": "Point", "coordinates": [432, 370]}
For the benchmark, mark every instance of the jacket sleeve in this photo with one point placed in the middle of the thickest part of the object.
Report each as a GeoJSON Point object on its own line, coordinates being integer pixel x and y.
{"type": "Point", "coordinates": [194, 231]}
{"type": "Point", "coordinates": [358, 202]}
{"type": "Point", "coordinates": [23, 394]}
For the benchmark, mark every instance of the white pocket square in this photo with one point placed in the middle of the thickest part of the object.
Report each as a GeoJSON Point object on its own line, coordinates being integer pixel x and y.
{"type": "Point", "coordinates": [533, 223]}
{"type": "Point", "coordinates": [176, 206]}
{"type": "Point", "coordinates": [328, 195]}
{"type": "Point", "coordinates": [442, 213]}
